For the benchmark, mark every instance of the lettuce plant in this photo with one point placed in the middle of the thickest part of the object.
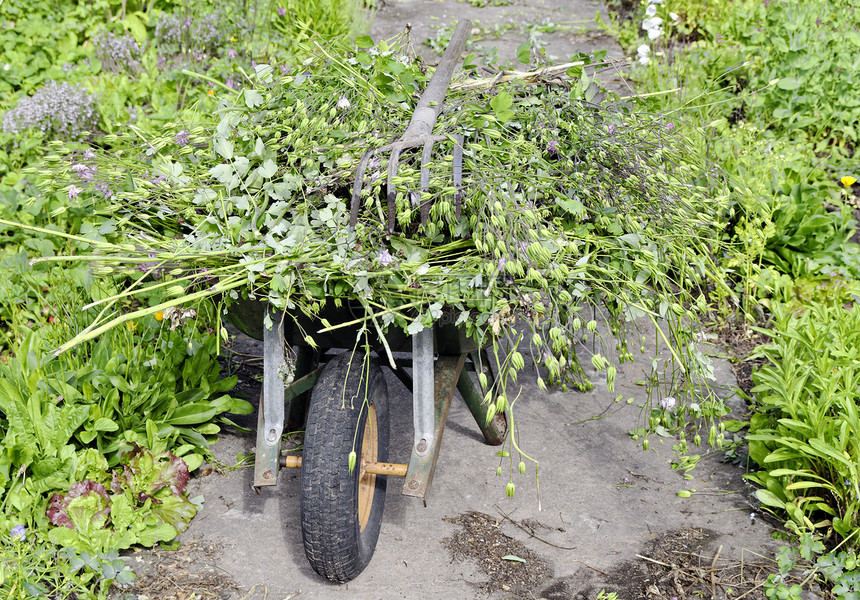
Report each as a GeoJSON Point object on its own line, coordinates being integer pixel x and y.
{"type": "Point", "coordinates": [143, 503]}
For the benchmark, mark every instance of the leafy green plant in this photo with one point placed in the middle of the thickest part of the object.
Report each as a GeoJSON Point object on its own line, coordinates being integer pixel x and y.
{"type": "Point", "coordinates": [806, 430]}
{"type": "Point", "coordinates": [30, 567]}
{"type": "Point", "coordinates": [141, 502]}
{"type": "Point", "coordinates": [838, 570]}
{"type": "Point", "coordinates": [806, 238]}
{"type": "Point", "coordinates": [299, 20]}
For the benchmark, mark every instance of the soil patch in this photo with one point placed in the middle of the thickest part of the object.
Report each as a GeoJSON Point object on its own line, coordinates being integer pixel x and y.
{"type": "Point", "coordinates": [688, 563]}
{"type": "Point", "coordinates": [188, 572]}
{"type": "Point", "coordinates": [739, 341]}
{"type": "Point", "coordinates": [508, 564]}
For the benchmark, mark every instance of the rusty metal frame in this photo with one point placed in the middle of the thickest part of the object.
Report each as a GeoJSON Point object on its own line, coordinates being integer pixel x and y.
{"type": "Point", "coordinates": [419, 475]}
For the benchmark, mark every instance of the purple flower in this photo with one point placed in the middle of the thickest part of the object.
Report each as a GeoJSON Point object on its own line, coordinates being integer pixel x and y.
{"type": "Point", "coordinates": [282, 12]}
{"type": "Point", "coordinates": [74, 191]}
{"type": "Point", "coordinates": [611, 129]}
{"type": "Point", "coordinates": [181, 138]}
{"type": "Point", "coordinates": [385, 257]}
{"type": "Point", "coordinates": [231, 84]}
{"type": "Point", "coordinates": [89, 154]}
{"type": "Point", "coordinates": [552, 147]}
{"type": "Point", "coordinates": [285, 70]}
{"type": "Point", "coordinates": [19, 533]}
{"type": "Point", "coordinates": [57, 109]}
{"type": "Point", "coordinates": [103, 189]}
{"type": "Point", "coordinates": [87, 174]}
{"type": "Point", "coordinates": [118, 54]}
{"type": "Point", "coordinates": [670, 126]}
{"type": "Point", "coordinates": [232, 53]}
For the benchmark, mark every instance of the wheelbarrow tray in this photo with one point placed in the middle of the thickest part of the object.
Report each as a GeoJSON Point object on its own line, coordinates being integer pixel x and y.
{"type": "Point", "coordinates": [248, 316]}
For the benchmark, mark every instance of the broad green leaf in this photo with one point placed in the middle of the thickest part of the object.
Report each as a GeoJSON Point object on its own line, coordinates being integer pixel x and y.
{"type": "Point", "coordinates": [788, 83]}
{"type": "Point", "coordinates": [524, 52]}
{"type": "Point", "coordinates": [267, 169]}
{"type": "Point", "coordinates": [264, 73]}
{"type": "Point", "coordinates": [224, 147]}
{"type": "Point", "coordinates": [364, 41]}
{"type": "Point", "coordinates": [104, 424]}
{"type": "Point", "coordinates": [253, 99]}
{"type": "Point", "coordinates": [501, 102]}
{"type": "Point", "coordinates": [767, 498]}
{"type": "Point", "coordinates": [191, 414]}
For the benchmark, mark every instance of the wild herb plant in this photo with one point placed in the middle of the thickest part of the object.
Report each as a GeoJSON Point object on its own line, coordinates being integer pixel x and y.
{"type": "Point", "coordinates": [806, 428]}
{"type": "Point", "coordinates": [30, 567]}
{"type": "Point", "coordinates": [58, 110]}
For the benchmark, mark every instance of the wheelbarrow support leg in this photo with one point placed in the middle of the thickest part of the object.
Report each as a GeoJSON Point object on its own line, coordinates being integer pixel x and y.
{"type": "Point", "coordinates": [270, 416]}
{"type": "Point", "coordinates": [438, 389]}
{"type": "Point", "coordinates": [422, 392]}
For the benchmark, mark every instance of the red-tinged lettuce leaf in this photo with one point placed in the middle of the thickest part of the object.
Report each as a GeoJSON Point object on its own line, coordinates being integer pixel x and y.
{"type": "Point", "coordinates": [145, 474]}
{"type": "Point", "coordinates": [86, 506]}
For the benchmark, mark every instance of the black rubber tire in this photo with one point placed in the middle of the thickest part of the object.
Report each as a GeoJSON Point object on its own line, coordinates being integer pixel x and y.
{"type": "Point", "coordinates": [335, 544]}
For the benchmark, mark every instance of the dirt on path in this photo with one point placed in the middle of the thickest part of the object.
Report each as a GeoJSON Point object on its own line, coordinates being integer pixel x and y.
{"type": "Point", "coordinates": [607, 516]}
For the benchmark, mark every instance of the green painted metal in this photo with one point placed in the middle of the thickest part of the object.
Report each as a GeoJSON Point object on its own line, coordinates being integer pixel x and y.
{"type": "Point", "coordinates": [298, 392]}
{"type": "Point", "coordinates": [419, 475]}
{"type": "Point", "coordinates": [497, 429]}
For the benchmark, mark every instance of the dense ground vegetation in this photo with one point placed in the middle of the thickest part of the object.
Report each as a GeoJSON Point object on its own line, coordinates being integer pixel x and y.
{"type": "Point", "coordinates": [771, 84]}
{"type": "Point", "coordinates": [139, 141]}
{"type": "Point", "coordinates": [98, 443]}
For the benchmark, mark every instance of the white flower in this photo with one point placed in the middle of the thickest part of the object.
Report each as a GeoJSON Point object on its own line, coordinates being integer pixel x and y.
{"type": "Point", "coordinates": [652, 23]}
{"type": "Point", "coordinates": [644, 60]}
{"type": "Point", "coordinates": [651, 10]}
{"type": "Point", "coordinates": [655, 1]}
{"type": "Point", "coordinates": [674, 17]}
{"type": "Point", "coordinates": [643, 52]}
{"type": "Point", "coordinates": [668, 403]}
{"type": "Point", "coordinates": [343, 103]}
{"type": "Point", "coordinates": [653, 34]}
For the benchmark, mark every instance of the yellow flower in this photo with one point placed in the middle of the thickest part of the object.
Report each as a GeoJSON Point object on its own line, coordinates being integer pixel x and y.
{"type": "Point", "coordinates": [848, 181]}
{"type": "Point", "coordinates": [211, 92]}
{"type": "Point", "coordinates": [131, 325]}
{"type": "Point", "coordinates": [159, 316]}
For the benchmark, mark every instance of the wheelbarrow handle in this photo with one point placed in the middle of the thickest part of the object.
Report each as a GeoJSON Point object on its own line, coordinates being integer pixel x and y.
{"type": "Point", "coordinates": [430, 103]}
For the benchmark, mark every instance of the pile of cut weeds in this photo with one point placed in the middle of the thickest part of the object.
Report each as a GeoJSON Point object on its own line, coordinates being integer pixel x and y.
{"type": "Point", "coordinates": [508, 564]}
{"type": "Point", "coordinates": [678, 566]}
{"type": "Point", "coordinates": [187, 573]}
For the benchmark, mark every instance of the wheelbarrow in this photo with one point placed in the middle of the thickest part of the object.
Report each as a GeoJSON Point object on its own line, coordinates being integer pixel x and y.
{"type": "Point", "coordinates": [341, 399]}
